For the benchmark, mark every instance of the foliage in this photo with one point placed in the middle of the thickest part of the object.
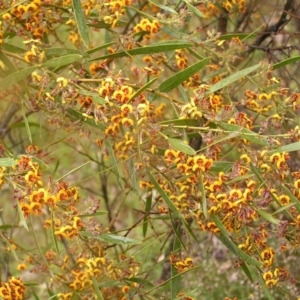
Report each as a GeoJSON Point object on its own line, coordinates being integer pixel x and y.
{"type": "Point", "coordinates": [176, 126]}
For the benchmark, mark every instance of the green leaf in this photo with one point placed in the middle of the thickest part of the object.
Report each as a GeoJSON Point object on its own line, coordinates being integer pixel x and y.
{"type": "Point", "coordinates": [181, 146]}
{"type": "Point", "coordinates": [292, 197]}
{"type": "Point", "coordinates": [164, 7]}
{"type": "Point", "coordinates": [286, 62]}
{"type": "Point", "coordinates": [140, 281]}
{"type": "Point", "coordinates": [27, 127]}
{"type": "Point", "coordinates": [221, 166]}
{"type": "Point", "coordinates": [165, 197]}
{"type": "Point", "coordinates": [73, 170]}
{"type": "Point", "coordinates": [61, 61]}
{"type": "Point", "coordinates": [154, 48]}
{"type": "Point", "coordinates": [114, 161]}
{"type": "Point", "coordinates": [268, 217]}
{"type": "Point", "coordinates": [81, 22]}
{"type": "Point", "coordinates": [147, 210]}
{"type": "Point", "coordinates": [116, 239]}
{"type": "Point", "coordinates": [241, 36]}
{"type": "Point", "coordinates": [7, 162]}
{"type": "Point", "coordinates": [100, 47]}
{"type": "Point", "coordinates": [31, 283]}
{"type": "Point", "coordinates": [95, 214]}
{"type": "Point", "coordinates": [95, 96]}
{"type": "Point", "coordinates": [265, 288]}
{"type": "Point", "coordinates": [183, 75]}
{"type": "Point", "coordinates": [203, 194]}
{"type": "Point", "coordinates": [6, 226]}
{"type": "Point", "coordinates": [60, 51]}
{"type": "Point", "coordinates": [53, 235]}
{"type": "Point", "coordinates": [96, 289]}
{"type": "Point", "coordinates": [13, 48]}
{"type": "Point", "coordinates": [21, 216]}
{"type": "Point", "coordinates": [16, 77]}
{"type": "Point", "coordinates": [225, 239]}
{"type": "Point", "coordinates": [246, 271]}
{"type": "Point", "coordinates": [232, 78]}
{"type": "Point", "coordinates": [245, 133]}
{"type": "Point", "coordinates": [286, 148]}
{"type": "Point", "coordinates": [139, 91]}
{"type": "Point", "coordinates": [194, 10]}
{"type": "Point", "coordinates": [76, 115]}
{"type": "Point", "coordinates": [181, 122]}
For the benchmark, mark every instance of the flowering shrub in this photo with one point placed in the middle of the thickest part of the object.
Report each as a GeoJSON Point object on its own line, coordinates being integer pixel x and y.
{"type": "Point", "coordinates": [190, 129]}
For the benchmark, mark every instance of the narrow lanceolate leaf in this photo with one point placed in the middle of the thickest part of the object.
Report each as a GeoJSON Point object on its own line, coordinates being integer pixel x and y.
{"type": "Point", "coordinates": [287, 148]}
{"type": "Point", "coordinates": [245, 133]}
{"type": "Point", "coordinates": [27, 127]}
{"type": "Point", "coordinates": [60, 51]}
{"type": "Point", "coordinates": [265, 288]}
{"type": "Point", "coordinates": [16, 77]}
{"type": "Point", "coordinates": [164, 7]}
{"type": "Point", "coordinates": [61, 61]}
{"type": "Point", "coordinates": [292, 197]}
{"type": "Point", "coordinates": [154, 48]}
{"type": "Point", "coordinates": [22, 218]}
{"type": "Point", "coordinates": [194, 10]}
{"type": "Point", "coordinates": [114, 161]}
{"type": "Point", "coordinates": [165, 197]}
{"type": "Point", "coordinates": [204, 204]}
{"type": "Point", "coordinates": [181, 146]}
{"type": "Point", "coordinates": [232, 78]}
{"type": "Point", "coordinates": [139, 91]}
{"type": "Point", "coordinates": [116, 239]}
{"type": "Point", "coordinates": [226, 240]}
{"type": "Point", "coordinates": [286, 62]}
{"type": "Point", "coordinates": [7, 162]}
{"type": "Point", "coordinates": [21, 74]}
{"type": "Point", "coordinates": [268, 217]}
{"type": "Point", "coordinates": [183, 75]}
{"type": "Point", "coordinates": [104, 46]}
{"type": "Point", "coordinates": [81, 22]}
{"type": "Point", "coordinates": [147, 210]}
{"type": "Point", "coordinates": [96, 288]}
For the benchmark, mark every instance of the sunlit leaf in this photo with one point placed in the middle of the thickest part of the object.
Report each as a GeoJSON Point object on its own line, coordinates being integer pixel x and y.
{"type": "Point", "coordinates": [292, 197]}
{"type": "Point", "coordinates": [61, 51]}
{"type": "Point", "coordinates": [147, 210]}
{"type": "Point", "coordinates": [150, 49]}
{"type": "Point", "coordinates": [140, 281]}
{"type": "Point", "coordinates": [143, 88]}
{"type": "Point", "coordinates": [95, 214]}
{"type": "Point", "coordinates": [245, 133]}
{"type": "Point", "coordinates": [181, 146]}
{"type": "Point", "coordinates": [22, 218]}
{"type": "Point", "coordinates": [116, 239]}
{"type": "Point", "coordinates": [268, 217]}
{"type": "Point", "coordinates": [81, 22]}
{"type": "Point", "coordinates": [232, 78]}
{"type": "Point", "coordinates": [165, 197]}
{"type": "Point", "coordinates": [95, 96]}
{"type": "Point", "coordinates": [203, 195]}
{"type": "Point", "coordinates": [225, 239]}
{"type": "Point", "coordinates": [7, 162]}
{"type": "Point", "coordinates": [285, 62]}
{"type": "Point", "coordinates": [164, 7]}
{"type": "Point", "coordinates": [114, 161]}
{"type": "Point", "coordinates": [15, 77]}
{"type": "Point", "coordinates": [61, 61]}
{"type": "Point", "coordinates": [183, 75]}
{"type": "Point", "coordinates": [286, 148]}
{"type": "Point", "coordinates": [96, 288]}
{"type": "Point", "coordinates": [194, 10]}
